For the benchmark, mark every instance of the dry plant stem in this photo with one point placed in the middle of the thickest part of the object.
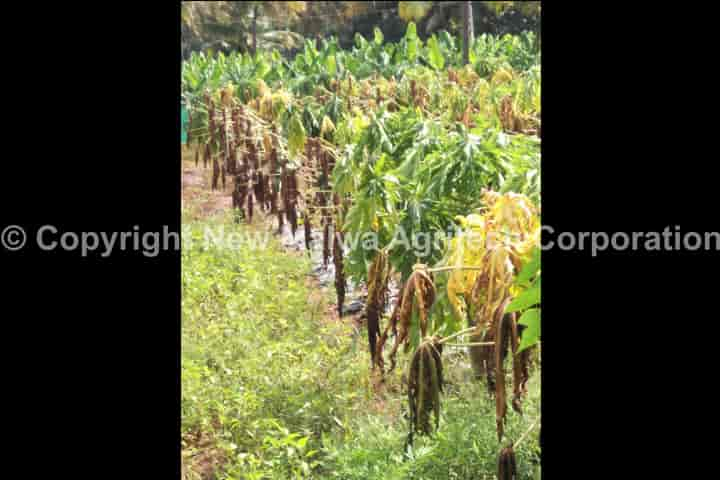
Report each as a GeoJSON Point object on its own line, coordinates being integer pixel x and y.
{"type": "Point", "coordinates": [456, 334]}
{"type": "Point", "coordinates": [475, 344]}
{"type": "Point", "coordinates": [522, 437]}
{"type": "Point", "coordinates": [445, 269]}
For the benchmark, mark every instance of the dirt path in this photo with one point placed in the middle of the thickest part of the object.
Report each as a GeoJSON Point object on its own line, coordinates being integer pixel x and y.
{"type": "Point", "coordinates": [200, 201]}
{"type": "Point", "coordinates": [197, 196]}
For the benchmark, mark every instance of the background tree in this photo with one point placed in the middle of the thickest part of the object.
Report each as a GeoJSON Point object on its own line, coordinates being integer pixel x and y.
{"type": "Point", "coordinates": [526, 8]}
{"type": "Point", "coordinates": [276, 13]}
{"type": "Point", "coordinates": [468, 33]}
{"type": "Point", "coordinates": [214, 24]}
{"type": "Point", "coordinates": [282, 25]}
{"type": "Point", "coordinates": [497, 18]}
{"type": "Point", "coordinates": [414, 11]}
{"type": "Point", "coordinates": [230, 25]}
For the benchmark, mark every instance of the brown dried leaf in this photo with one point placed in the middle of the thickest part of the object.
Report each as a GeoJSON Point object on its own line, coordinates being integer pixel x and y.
{"type": "Point", "coordinates": [378, 279]}
{"type": "Point", "coordinates": [425, 385]}
{"type": "Point", "coordinates": [507, 465]}
{"type": "Point", "coordinates": [339, 273]}
{"type": "Point", "coordinates": [518, 377]}
{"type": "Point", "coordinates": [216, 173]}
{"type": "Point", "coordinates": [500, 394]}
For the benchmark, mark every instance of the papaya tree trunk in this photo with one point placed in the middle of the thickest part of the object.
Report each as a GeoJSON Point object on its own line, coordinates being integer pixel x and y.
{"type": "Point", "coordinates": [478, 355]}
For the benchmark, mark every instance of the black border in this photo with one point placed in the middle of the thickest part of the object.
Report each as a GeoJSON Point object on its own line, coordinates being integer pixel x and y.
{"type": "Point", "coordinates": [627, 336]}
{"type": "Point", "coordinates": [92, 363]}
{"type": "Point", "coordinates": [92, 346]}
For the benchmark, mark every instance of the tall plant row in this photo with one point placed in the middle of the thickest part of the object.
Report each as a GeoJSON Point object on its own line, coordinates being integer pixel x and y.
{"type": "Point", "coordinates": [392, 141]}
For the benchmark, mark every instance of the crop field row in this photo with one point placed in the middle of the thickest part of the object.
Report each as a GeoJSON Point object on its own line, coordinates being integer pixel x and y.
{"type": "Point", "coordinates": [378, 148]}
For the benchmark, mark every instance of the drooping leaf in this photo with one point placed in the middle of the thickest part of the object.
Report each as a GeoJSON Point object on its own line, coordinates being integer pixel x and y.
{"type": "Point", "coordinates": [296, 135]}
{"type": "Point", "coordinates": [327, 127]}
{"type": "Point", "coordinates": [437, 61]}
{"type": "Point", "coordinates": [378, 36]}
{"type": "Point", "coordinates": [331, 65]}
{"type": "Point", "coordinates": [411, 40]}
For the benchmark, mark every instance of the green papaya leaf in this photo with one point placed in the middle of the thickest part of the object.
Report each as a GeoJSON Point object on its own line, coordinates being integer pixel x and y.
{"type": "Point", "coordinates": [530, 269]}
{"type": "Point", "coordinates": [531, 334]}
{"type": "Point", "coordinates": [526, 299]}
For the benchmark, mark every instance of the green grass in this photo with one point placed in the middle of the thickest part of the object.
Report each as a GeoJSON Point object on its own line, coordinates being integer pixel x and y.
{"type": "Point", "coordinates": [465, 447]}
{"type": "Point", "coordinates": [273, 390]}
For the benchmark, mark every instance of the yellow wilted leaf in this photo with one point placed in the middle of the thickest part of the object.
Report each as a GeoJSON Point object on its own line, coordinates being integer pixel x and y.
{"type": "Point", "coordinates": [280, 101]}
{"type": "Point", "coordinates": [515, 213]}
{"type": "Point", "coordinates": [455, 281]}
{"type": "Point", "coordinates": [467, 76]}
{"type": "Point", "coordinates": [267, 142]}
{"type": "Point", "coordinates": [499, 241]}
{"type": "Point", "coordinates": [262, 88]}
{"type": "Point", "coordinates": [475, 222]}
{"type": "Point", "coordinates": [297, 7]}
{"type": "Point", "coordinates": [226, 95]}
{"type": "Point", "coordinates": [359, 120]}
{"type": "Point", "coordinates": [501, 76]}
{"type": "Point", "coordinates": [296, 136]}
{"type": "Point", "coordinates": [327, 126]}
{"type": "Point", "coordinates": [467, 249]}
{"type": "Point", "coordinates": [266, 107]}
{"type": "Point", "coordinates": [413, 11]}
